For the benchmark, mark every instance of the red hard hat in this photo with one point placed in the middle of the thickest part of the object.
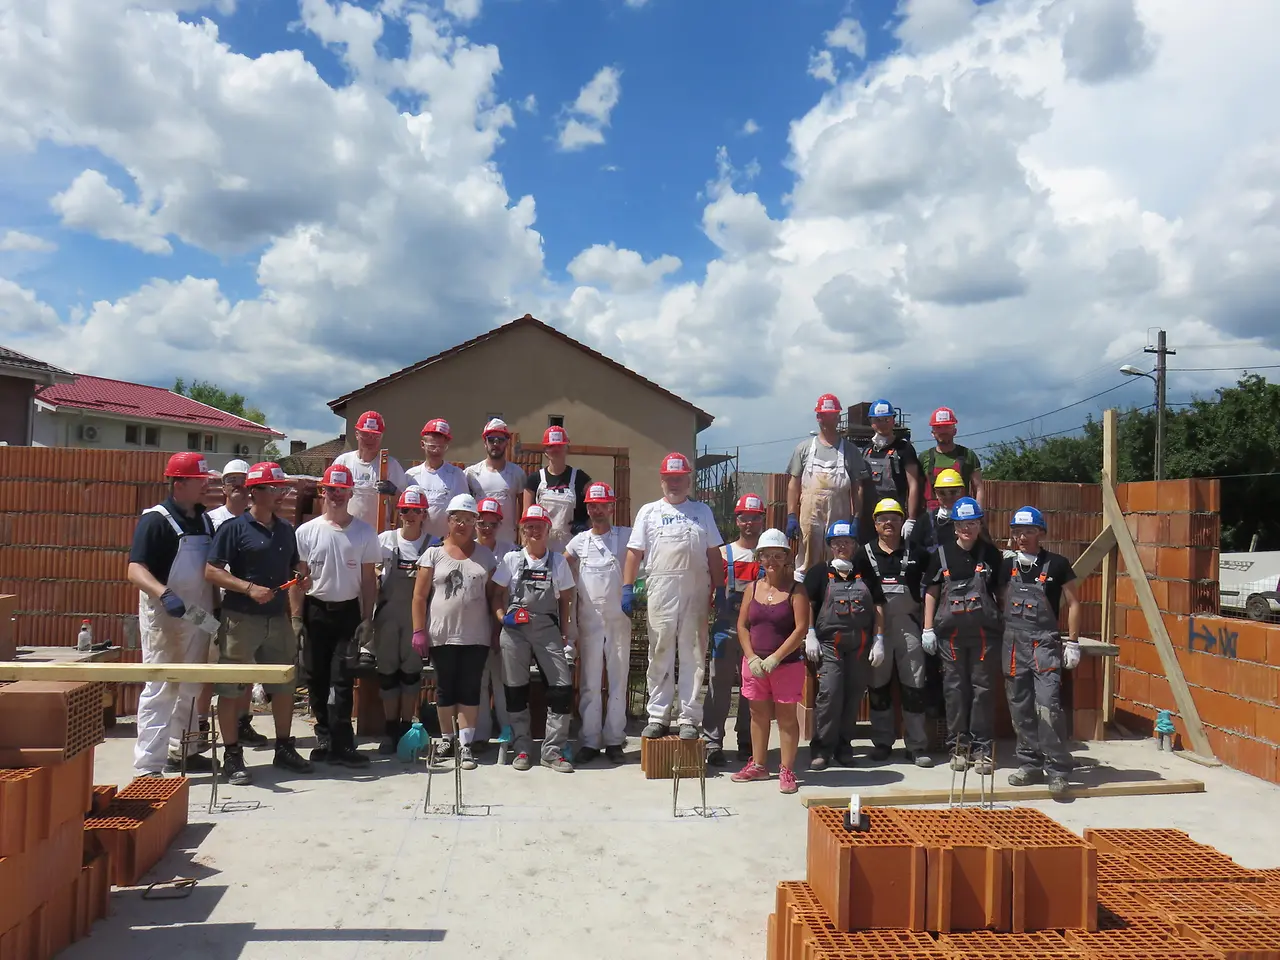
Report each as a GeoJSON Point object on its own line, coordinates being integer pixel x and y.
{"type": "Point", "coordinates": [943, 417]}
{"type": "Point", "coordinates": [439, 426]}
{"type": "Point", "coordinates": [555, 437]}
{"type": "Point", "coordinates": [338, 476]}
{"type": "Point", "coordinates": [182, 466]}
{"type": "Point", "coordinates": [496, 427]}
{"type": "Point", "coordinates": [265, 474]}
{"type": "Point", "coordinates": [599, 492]}
{"type": "Point", "coordinates": [413, 498]}
{"type": "Point", "coordinates": [827, 403]}
{"type": "Point", "coordinates": [535, 512]}
{"type": "Point", "coordinates": [675, 464]}
{"type": "Point", "coordinates": [749, 503]}
{"type": "Point", "coordinates": [371, 422]}
{"type": "Point", "coordinates": [489, 506]}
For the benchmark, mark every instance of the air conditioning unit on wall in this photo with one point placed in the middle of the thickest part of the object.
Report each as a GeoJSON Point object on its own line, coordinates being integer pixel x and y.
{"type": "Point", "coordinates": [88, 433]}
{"type": "Point", "coordinates": [241, 449]}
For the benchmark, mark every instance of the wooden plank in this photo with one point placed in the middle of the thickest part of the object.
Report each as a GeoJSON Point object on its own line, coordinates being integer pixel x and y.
{"type": "Point", "coordinates": [1004, 794]}
{"type": "Point", "coordinates": [1096, 553]}
{"type": "Point", "coordinates": [145, 672]}
{"type": "Point", "coordinates": [1155, 623]}
{"type": "Point", "coordinates": [1096, 648]}
{"type": "Point", "coordinates": [1110, 468]}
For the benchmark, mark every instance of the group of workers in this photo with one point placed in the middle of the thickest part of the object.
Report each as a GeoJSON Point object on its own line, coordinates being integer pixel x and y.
{"type": "Point", "coordinates": [490, 572]}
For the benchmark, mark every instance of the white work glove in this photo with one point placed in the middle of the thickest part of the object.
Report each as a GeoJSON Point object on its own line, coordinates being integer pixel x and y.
{"type": "Point", "coordinates": [812, 647]}
{"type": "Point", "coordinates": [877, 650]}
{"type": "Point", "coordinates": [756, 666]}
{"type": "Point", "coordinates": [1009, 554]}
{"type": "Point", "coordinates": [907, 526]}
{"type": "Point", "coordinates": [929, 640]}
{"type": "Point", "coordinates": [771, 663]}
{"type": "Point", "coordinates": [1070, 655]}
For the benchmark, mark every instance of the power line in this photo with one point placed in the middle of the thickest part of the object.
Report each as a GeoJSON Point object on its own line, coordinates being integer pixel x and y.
{"type": "Point", "coordinates": [1041, 416]}
{"type": "Point", "coordinates": [1265, 366]}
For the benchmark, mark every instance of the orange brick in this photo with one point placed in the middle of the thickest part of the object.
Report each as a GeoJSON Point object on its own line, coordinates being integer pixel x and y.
{"type": "Point", "coordinates": [1173, 563]}
{"type": "Point", "coordinates": [1225, 711]}
{"type": "Point", "coordinates": [1223, 744]}
{"type": "Point", "coordinates": [1256, 758]}
{"type": "Point", "coordinates": [1254, 681]}
{"type": "Point", "coordinates": [1141, 497]}
{"type": "Point", "coordinates": [1134, 685]}
{"type": "Point", "coordinates": [1174, 496]}
{"type": "Point", "coordinates": [1125, 594]}
{"type": "Point", "coordinates": [1267, 724]}
{"type": "Point", "coordinates": [1251, 639]}
{"type": "Point", "coordinates": [1161, 693]}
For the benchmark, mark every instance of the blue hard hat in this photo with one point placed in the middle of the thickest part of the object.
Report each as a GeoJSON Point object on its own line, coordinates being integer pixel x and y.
{"type": "Point", "coordinates": [840, 528]}
{"type": "Point", "coordinates": [966, 508]}
{"type": "Point", "coordinates": [880, 408]}
{"type": "Point", "coordinates": [1028, 517]}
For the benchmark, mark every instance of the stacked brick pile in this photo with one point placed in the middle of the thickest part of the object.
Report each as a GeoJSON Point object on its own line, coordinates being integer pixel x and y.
{"type": "Point", "coordinates": [137, 826]}
{"type": "Point", "coordinates": [955, 884]}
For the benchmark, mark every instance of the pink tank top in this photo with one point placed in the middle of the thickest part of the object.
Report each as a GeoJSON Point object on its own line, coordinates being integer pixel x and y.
{"type": "Point", "coordinates": [770, 625]}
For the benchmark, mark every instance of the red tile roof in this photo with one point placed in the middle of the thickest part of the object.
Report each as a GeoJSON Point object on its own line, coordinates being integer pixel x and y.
{"type": "Point", "coordinates": [126, 399]}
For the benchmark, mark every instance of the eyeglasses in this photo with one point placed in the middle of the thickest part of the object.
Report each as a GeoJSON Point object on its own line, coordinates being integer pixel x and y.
{"type": "Point", "coordinates": [462, 520]}
{"type": "Point", "coordinates": [886, 518]}
{"type": "Point", "coordinates": [235, 484]}
{"type": "Point", "coordinates": [412, 512]}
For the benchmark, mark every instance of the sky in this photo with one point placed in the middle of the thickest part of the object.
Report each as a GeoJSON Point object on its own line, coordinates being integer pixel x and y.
{"type": "Point", "coordinates": [989, 206]}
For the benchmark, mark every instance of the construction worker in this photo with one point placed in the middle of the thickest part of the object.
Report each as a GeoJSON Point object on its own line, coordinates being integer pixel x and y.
{"type": "Point", "coordinates": [441, 481]}
{"type": "Point", "coordinates": [772, 623]}
{"type": "Point", "coordinates": [899, 565]}
{"type": "Point", "coordinates": [559, 489]}
{"type": "Point", "coordinates": [451, 604]}
{"type": "Point", "coordinates": [399, 665]}
{"type": "Point", "coordinates": [491, 690]}
{"type": "Point", "coordinates": [365, 464]}
{"type": "Point", "coordinates": [497, 478]}
{"type": "Point", "coordinates": [678, 542]}
{"type": "Point", "coordinates": [741, 568]}
{"type": "Point", "coordinates": [253, 559]}
{"type": "Point", "coordinates": [167, 560]}
{"type": "Point", "coordinates": [535, 588]}
{"type": "Point", "coordinates": [333, 616]}
{"type": "Point", "coordinates": [603, 631]}
{"type": "Point", "coordinates": [949, 455]}
{"type": "Point", "coordinates": [1033, 583]}
{"type": "Point", "coordinates": [893, 470]}
{"type": "Point", "coordinates": [846, 640]}
{"type": "Point", "coordinates": [825, 486]}
{"type": "Point", "coordinates": [961, 624]}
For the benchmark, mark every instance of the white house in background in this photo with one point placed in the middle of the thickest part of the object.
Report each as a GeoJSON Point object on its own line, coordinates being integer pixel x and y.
{"type": "Point", "coordinates": [117, 415]}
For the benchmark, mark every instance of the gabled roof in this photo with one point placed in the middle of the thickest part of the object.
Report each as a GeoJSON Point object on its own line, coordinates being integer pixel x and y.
{"type": "Point", "coordinates": [123, 399]}
{"type": "Point", "coordinates": [704, 419]}
{"type": "Point", "coordinates": [330, 448]}
{"type": "Point", "coordinates": [29, 367]}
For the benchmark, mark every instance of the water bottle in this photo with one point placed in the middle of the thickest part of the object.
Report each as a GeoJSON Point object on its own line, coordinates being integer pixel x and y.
{"type": "Point", "coordinates": [84, 641]}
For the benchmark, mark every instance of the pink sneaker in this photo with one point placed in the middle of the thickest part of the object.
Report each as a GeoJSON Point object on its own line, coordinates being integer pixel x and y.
{"type": "Point", "coordinates": [752, 771]}
{"type": "Point", "coordinates": [787, 781]}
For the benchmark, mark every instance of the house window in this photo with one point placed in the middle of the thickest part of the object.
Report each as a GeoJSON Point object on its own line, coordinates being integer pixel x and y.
{"type": "Point", "coordinates": [193, 441]}
{"type": "Point", "coordinates": [555, 420]}
{"type": "Point", "coordinates": [151, 437]}
{"type": "Point", "coordinates": [133, 434]}
{"type": "Point", "coordinates": [209, 445]}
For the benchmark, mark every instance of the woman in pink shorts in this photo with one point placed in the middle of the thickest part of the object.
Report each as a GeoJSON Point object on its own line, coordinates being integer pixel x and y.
{"type": "Point", "coordinates": [772, 625]}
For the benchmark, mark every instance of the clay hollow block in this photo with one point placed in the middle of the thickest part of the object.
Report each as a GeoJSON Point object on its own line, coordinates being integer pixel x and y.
{"type": "Point", "coordinates": [1189, 866]}
{"type": "Point", "coordinates": [658, 757]}
{"type": "Point", "coordinates": [44, 721]}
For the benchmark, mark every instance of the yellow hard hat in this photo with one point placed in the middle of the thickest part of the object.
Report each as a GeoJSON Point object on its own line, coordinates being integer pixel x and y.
{"type": "Point", "coordinates": [888, 505]}
{"type": "Point", "coordinates": [948, 479]}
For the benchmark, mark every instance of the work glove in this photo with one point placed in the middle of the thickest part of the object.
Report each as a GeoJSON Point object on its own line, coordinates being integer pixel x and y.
{"type": "Point", "coordinates": [793, 526]}
{"type": "Point", "coordinates": [387, 488]}
{"type": "Point", "coordinates": [719, 639]}
{"type": "Point", "coordinates": [421, 643]}
{"type": "Point", "coordinates": [628, 592]}
{"type": "Point", "coordinates": [722, 602]}
{"type": "Point", "coordinates": [570, 653]}
{"type": "Point", "coordinates": [1009, 554]}
{"type": "Point", "coordinates": [877, 650]}
{"type": "Point", "coordinates": [929, 640]}
{"type": "Point", "coordinates": [173, 604]}
{"type": "Point", "coordinates": [907, 526]}
{"type": "Point", "coordinates": [771, 663]}
{"type": "Point", "coordinates": [1070, 654]}
{"type": "Point", "coordinates": [756, 666]}
{"type": "Point", "coordinates": [812, 647]}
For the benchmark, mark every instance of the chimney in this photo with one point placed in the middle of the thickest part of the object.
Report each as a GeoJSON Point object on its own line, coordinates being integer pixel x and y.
{"type": "Point", "coordinates": [296, 447]}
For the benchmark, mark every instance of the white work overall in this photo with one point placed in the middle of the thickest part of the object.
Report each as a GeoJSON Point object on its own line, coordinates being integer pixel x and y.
{"type": "Point", "coordinates": [824, 498]}
{"type": "Point", "coordinates": [678, 598]}
{"type": "Point", "coordinates": [164, 709]}
{"type": "Point", "coordinates": [560, 504]}
{"type": "Point", "coordinates": [604, 641]}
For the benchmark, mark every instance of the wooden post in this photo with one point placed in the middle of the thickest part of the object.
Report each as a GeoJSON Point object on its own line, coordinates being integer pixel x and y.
{"type": "Point", "coordinates": [1110, 469]}
{"type": "Point", "coordinates": [384, 508]}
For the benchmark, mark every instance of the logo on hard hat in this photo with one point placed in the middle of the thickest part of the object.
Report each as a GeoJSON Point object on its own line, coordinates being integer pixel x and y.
{"type": "Point", "coordinates": [674, 464]}
{"type": "Point", "coordinates": [203, 467]}
{"type": "Point", "coordinates": [555, 435]}
{"type": "Point", "coordinates": [828, 404]}
{"type": "Point", "coordinates": [598, 490]}
{"type": "Point", "coordinates": [752, 503]}
{"type": "Point", "coordinates": [966, 511]}
{"type": "Point", "coordinates": [842, 529]}
{"type": "Point", "coordinates": [370, 424]}
{"type": "Point", "coordinates": [413, 497]}
{"type": "Point", "coordinates": [340, 476]}
{"type": "Point", "coordinates": [1023, 518]}
{"type": "Point", "coordinates": [944, 416]}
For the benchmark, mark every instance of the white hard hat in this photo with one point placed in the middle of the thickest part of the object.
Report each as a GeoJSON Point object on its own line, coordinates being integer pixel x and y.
{"type": "Point", "coordinates": [235, 466]}
{"type": "Point", "coordinates": [464, 503]}
{"type": "Point", "coordinates": [773, 537]}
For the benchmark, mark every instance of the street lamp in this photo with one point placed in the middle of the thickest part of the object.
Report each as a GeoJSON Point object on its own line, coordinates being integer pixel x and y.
{"type": "Point", "coordinates": [1156, 377]}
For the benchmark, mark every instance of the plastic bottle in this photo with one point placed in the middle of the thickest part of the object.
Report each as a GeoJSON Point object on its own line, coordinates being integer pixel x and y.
{"type": "Point", "coordinates": [85, 639]}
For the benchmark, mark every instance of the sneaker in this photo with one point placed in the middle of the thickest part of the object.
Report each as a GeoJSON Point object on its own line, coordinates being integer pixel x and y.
{"type": "Point", "coordinates": [466, 757]}
{"type": "Point", "coordinates": [752, 771]}
{"type": "Point", "coordinates": [348, 757]}
{"type": "Point", "coordinates": [585, 755]}
{"type": "Point", "coordinates": [233, 769]}
{"type": "Point", "coordinates": [248, 736]}
{"type": "Point", "coordinates": [202, 727]}
{"type": "Point", "coordinates": [1026, 775]}
{"type": "Point", "coordinates": [653, 731]}
{"type": "Point", "coordinates": [1058, 785]}
{"type": "Point", "coordinates": [559, 765]}
{"type": "Point", "coordinates": [444, 749]}
{"type": "Point", "coordinates": [818, 762]}
{"type": "Point", "coordinates": [195, 764]}
{"type": "Point", "coordinates": [787, 781]}
{"type": "Point", "coordinates": [688, 731]}
{"type": "Point", "coordinates": [151, 775]}
{"type": "Point", "coordinates": [983, 766]}
{"type": "Point", "coordinates": [922, 760]}
{"type": "Point", "coordinates": [288, 758]}
{"type": "Point", "coordinates": [959, 762]}
{"type": "Point", "coordinates": [615, 754]}
{"type": "Point", "coordinates": [880, 754]}
{"type": "Point", "coordinates": [522, 762]}
{"type": "Point", "coordinates": [716, 757]}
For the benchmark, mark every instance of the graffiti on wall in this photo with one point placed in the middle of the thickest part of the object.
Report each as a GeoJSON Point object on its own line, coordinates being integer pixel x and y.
{"type": "Point", "coordinates": [1204, 639]}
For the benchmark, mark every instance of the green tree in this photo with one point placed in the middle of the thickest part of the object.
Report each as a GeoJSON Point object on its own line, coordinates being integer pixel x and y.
{"type": "Point", "coordinates": [213, 395]}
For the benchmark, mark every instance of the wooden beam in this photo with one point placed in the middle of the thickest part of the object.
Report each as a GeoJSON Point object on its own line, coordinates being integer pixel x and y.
{"type": "Point", "coordinates": [245, 673]}
{"type": "Point", "coordinates": [906, 798]}
{"type": "Point", "coordinates": [1164, 646]}
{"type": "Point", "coordinates": [1096, 553]}
{"type": "Point", "coordinates": [1110, 468]}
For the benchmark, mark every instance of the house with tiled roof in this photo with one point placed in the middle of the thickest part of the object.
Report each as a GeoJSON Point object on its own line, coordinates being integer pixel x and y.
{"type": "Point", "coordinates": [20, 377]}
{"type": "Point", "coordinates": [89, 411]}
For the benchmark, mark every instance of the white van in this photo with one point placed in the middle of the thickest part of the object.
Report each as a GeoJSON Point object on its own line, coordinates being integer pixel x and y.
{"type": "Point", "coordinates": [1249, 585]}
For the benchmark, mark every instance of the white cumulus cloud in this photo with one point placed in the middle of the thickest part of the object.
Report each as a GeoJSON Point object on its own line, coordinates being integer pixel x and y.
{"type": "Point", "coordinates": [584, 121]}
{"type": "Point", "coordinates": [15, 241]}
{"type": "Point", "coordinates": [750, 128]}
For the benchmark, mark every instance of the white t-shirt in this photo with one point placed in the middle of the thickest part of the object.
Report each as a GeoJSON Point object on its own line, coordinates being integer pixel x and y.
{"type": "Point", "coordinates": [589, 544]}
{"type": "Point", "coordinates": [364, 500]}
{"type": "Point", "coordinates": [336, 556]}
{"type": "Point", "coordinates": [441, 486]}
{"type": "Point", "coordinates": [654, 516]}
{"type": "Point", "coordinates": [506, 486]}
{"type": "Point", "coordinates": [220, 515]}
{"type": "Point", "coordinates": [745, 569]}
{"type": "Point", "coordinates": [459, 612]}
{"type": "Point", "coordinates": [410, 550]}
{"type": "Point", "coordinates": [501, 547]}
{"type": "Point", "coordinates": [509, 566]}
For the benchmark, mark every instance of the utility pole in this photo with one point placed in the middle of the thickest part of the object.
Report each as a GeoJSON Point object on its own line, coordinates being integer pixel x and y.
{"type": "Point", "coordinates": [1161, 351]}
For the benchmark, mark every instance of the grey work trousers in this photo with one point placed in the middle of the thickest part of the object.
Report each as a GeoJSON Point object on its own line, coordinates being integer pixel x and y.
{"type": "Point", "coordinates": [1035, 704]}
{"type": "Point", "coordinates": [843, 678]}
{"type": "Point", "coordinates": [903, 654]}
{"type": "Point", "coordinates": [967, 677]}
{"type": "Point", "coordinates": [521, 646]}
{"type": "Point", "coordinates": [725, 667]}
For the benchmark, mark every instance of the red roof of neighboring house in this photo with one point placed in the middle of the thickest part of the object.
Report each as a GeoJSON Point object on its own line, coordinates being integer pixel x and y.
{"type": "Point", "coordinates": [126, 399]}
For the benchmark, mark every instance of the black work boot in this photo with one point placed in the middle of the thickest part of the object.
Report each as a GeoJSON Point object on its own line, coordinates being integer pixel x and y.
{"type": "Point", "coordinates": [233, 768]}
{"type": "Point", "coordinates": [248, 736]}
{"type": "Point", "coordinates": [288, 758]}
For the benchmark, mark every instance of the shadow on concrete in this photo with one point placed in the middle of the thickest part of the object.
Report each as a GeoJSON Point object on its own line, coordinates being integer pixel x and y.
{"type": "Point", "coordinates": [849, 777]}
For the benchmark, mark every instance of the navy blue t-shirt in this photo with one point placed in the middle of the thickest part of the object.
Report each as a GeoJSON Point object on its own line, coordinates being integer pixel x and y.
{"type": "Point", "coordinates": [155, 544]}
{"type": "Point", "coordinates": [258, 554]}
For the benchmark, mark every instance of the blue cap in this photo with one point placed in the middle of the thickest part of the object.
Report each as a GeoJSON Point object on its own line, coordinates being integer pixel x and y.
{"type": "Point", "coordinates": [880, 408]}
{"type": "Point", "coordinates": [966, 508]}
{"type": "Point", "coordinates": [1028, 517]}
{"type": "Point", "coordinates": [840, 528]}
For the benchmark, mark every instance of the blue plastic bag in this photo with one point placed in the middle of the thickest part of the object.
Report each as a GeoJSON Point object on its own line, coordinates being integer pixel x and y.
{"type": "Point", "coordinates": [413, 742]}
